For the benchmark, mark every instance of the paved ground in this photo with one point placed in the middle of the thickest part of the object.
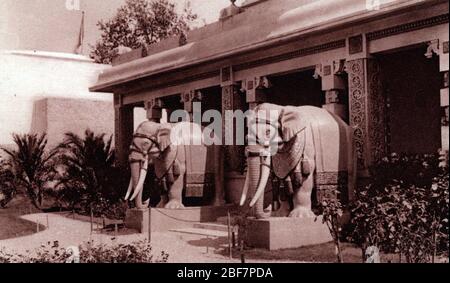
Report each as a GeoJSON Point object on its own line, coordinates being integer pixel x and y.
{"type": "Point", "coordinates": [182, 248]}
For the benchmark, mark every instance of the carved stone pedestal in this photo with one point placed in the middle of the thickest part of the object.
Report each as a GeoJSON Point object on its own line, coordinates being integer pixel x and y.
{"type": "Point", "coordinates": [285, 233]}
{"type": "Point", "coordinates": [137, 219]}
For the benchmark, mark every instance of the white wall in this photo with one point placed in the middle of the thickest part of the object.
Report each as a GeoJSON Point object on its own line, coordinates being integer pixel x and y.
{"type": "Point", "coordinates": [29, 76]}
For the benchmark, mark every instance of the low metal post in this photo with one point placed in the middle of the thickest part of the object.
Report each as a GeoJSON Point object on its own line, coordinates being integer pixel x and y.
{"type": "Point", "coordinates": [48, 223]}
{"type": "Point", "coordinates": [92, 221]}
{"type": "Point", "coordinates": [149, 225]}
{"type": "Point", "coordinates": [229, 235]}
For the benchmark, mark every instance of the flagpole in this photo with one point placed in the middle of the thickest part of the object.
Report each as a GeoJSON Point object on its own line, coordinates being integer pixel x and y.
{"type": "Point", "coordinates": [82, 37]}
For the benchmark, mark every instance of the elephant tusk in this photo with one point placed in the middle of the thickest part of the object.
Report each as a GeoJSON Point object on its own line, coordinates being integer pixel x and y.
{"type": "Point", "coordinates": [141, 181]}
{"type": "Point", "coordinates": [245, 190]}
{"type": "Point", "coordinates": [264, 177]}
{"type": "Point", "coordinates": [130, 188]}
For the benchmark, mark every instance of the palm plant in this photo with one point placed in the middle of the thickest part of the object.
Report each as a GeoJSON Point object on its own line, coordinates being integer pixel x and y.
{"type": "Point", "coordinates": [88, 168]}
{"type": "Point", "coordinates": [7, 186]}
{"type": "Point", "coordinates": [32, 165]}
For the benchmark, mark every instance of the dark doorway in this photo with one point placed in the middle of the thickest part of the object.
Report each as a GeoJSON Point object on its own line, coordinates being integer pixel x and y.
{"type": "Point", "coordinates": [412, 85]}
{"type": "Point", "coordinates": [211, 100]}
{"type": "Point", "coordinates": [297, 89]}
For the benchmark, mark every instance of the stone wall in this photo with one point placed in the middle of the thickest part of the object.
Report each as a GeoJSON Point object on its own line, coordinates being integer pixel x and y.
{"type": "Point", "coordinates": [45, 91]}
{"type": "Point", "coordinates": [57, 116]}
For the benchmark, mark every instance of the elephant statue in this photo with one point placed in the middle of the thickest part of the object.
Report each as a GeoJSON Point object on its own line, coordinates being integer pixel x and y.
{"type": "Point", "coordinates": [181, 160]}
{"type": "Point", "coordinates": [306, 147]}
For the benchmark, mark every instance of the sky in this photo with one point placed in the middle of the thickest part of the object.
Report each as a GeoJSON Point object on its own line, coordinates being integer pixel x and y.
{"type": "Point", "coordinates": [54, 25]}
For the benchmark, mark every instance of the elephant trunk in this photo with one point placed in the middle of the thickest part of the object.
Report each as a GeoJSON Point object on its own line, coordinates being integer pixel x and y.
{"type": "Point", "coordinates": [257, 177]}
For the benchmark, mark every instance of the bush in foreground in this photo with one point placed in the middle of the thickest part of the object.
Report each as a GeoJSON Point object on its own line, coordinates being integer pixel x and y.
{"type": "Point", "coordinates": [405, 208]}
{"type": "Point", "coordinates": [136, 252]}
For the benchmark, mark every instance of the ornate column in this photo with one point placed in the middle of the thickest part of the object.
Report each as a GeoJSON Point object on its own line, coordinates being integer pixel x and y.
{"type": "Point", "coordinates": [366, 104]}
{"type": "Point", "coordinates": [123, 129]}
{"type": "Point", "coordinates": [443, 59]}
{"type": "Point", "coordinates": [333, 85]}
{"type": "Point", "coordinates": [154, 108]}
{"type": "Point", "coordinates": [232, 100]}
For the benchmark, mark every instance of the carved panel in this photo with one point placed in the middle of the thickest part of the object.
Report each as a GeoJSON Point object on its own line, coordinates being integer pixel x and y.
{"type": "Point", "coordinates": [355, 44]}
{"type": "Point", "coordinates": [232, 99]}
{"type": "Point", "coordinates": [328, 185]}
{"type": "Point", "coordinates": [367, 111]}
{"type": "Point", "coordinates": [376, 112]}
{"type": "Point", "coordinates": [357, 101]}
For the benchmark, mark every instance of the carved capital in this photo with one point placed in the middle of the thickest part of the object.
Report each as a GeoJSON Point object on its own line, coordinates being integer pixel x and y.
{"type": "Point", "coordinates": [332, 96]}
{"type": "Point", "coordinates": [433, 48]}
{"type": "Point", "coordinates": [256, 89]}
{"type": "Point", "coordinates": [318, 72]}
{"type": "Point", "coordinates": [190, 97]}
{"type": "Point", "coordinates": [154, 103]}
{"type": "Point", "coordinates": [154, 109]}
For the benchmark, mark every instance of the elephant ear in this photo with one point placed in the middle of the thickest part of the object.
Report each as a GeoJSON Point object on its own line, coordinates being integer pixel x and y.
{"type": "Point", "coordinates": [292, 123]}
{"type": "Point", "coordinates": [163, 137]}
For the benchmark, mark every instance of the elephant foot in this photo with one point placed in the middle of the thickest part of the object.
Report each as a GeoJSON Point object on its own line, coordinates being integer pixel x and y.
{"type": "Point", "coordinates": [302, 212]}
{"type": "Point", "coordinates": [174, 204]}
{"type": "Point", "coordinates": [161, 204]}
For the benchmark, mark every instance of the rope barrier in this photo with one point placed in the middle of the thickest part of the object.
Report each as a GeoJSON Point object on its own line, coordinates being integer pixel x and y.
{"type": "Point", "coordinates": [174, 218]}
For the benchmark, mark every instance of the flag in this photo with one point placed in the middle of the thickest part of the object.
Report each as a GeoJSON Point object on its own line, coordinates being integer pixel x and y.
{"type": "Point", "coordinates": [79, 48]}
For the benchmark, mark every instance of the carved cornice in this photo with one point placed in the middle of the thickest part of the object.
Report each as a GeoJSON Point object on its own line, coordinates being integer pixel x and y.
{"type": "Point", "coordinates": [291, 55]}
{"type": "Point", "coordinates": [434, 21]}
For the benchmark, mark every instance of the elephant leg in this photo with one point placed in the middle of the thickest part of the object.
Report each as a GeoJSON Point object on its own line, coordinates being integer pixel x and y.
{"type": "Point", "coordinates": [176, 190]}
{"type": "Point", "coordinates": [303, 187]}
{"type": "Point", "coordinates": [164, 200]}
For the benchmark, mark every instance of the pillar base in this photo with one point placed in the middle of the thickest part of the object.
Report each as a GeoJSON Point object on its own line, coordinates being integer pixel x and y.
{"type": "Point", "coordinates": [137, 219]}
{"type": "Point", "coordinates": [286, 233]}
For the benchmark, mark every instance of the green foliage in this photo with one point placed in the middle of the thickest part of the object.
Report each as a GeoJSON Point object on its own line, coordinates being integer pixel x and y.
{"type": "Point", "coordinates": [7, 184]}
{"type": "Point", "coordinates": [332, 210]}
{"type": "Point", "coordinates": [139, 23]}
{"type": "Point", "coordinates": [31, 165]}
{"type": "Point", "coordinates": [88, 177]}
{"type": "Point", "coordinates": [404, 208]}
{"type": "Point", "coordinates": [136, 252]}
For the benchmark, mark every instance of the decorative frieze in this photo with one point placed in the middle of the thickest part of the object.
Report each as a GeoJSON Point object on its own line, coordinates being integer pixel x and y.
{"type": "Point", "coordinates": [438, 20]}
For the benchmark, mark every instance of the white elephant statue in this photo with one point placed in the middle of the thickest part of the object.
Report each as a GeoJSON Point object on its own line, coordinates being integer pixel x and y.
{"type": "Point", "coordinates": [307, 146]}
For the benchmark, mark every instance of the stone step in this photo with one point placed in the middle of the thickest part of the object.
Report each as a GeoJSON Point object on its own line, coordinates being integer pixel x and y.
{"type": "Point", "coordinates": [212, 226]}
{"type": "Point", "coordinates": [199, 231]}
{"type": "Point", "coordinates": [224, 220]}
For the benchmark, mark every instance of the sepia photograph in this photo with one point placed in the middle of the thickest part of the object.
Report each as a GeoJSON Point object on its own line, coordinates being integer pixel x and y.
{"type": "Point", "coordinates": [250, 132]}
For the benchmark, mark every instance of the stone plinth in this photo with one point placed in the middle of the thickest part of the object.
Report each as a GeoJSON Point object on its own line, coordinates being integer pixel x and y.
{"type": "Point", "coordinates": [284, 233]}
{"type": "Point", "coordinates": [162, 220]}
{"type": "Point", "coordinates": [137, 219]}
{"type": "Point", "coordinates": [167, 219]}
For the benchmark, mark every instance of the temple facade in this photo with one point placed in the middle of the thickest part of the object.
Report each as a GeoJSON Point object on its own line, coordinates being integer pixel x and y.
{"type": "Point", "coordinates": [380, 65]}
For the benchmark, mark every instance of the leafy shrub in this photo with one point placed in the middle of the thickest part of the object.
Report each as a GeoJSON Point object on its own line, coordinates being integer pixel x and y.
{"type": "Point", "coordinates": [136, 252]}
{"type": "Point", "coordinates": [32, 165]}
{"type": "Point", "coordinates": [332, 210]}
{"type": "Point", "coordinates": [404, 209]}
{"type": "Point", "coordinates": [7, 186]}
{"type": "Point", "coordinates": [89, 178]}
